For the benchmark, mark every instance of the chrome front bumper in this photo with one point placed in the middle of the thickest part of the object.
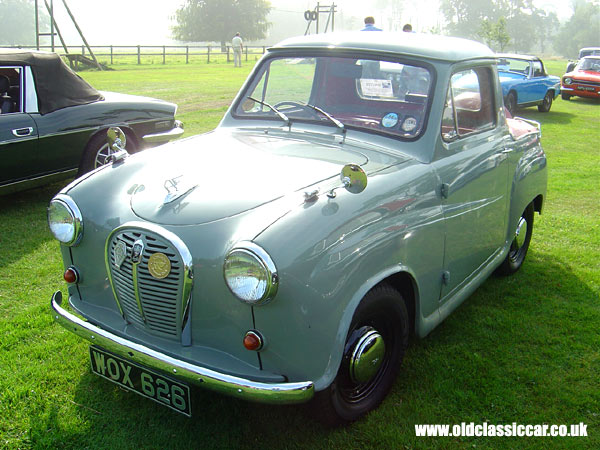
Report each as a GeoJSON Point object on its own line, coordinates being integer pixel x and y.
{"type": "Point", "coordinates": [275, 393]}
{"type": "Point", "coordinates": [161, 138]}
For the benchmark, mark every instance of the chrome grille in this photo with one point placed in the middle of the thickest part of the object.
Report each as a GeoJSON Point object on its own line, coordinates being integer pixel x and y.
{"type": "Point", "coordinates": [147, 302]}
{"type": "Point", "coordinates": [586, 82]}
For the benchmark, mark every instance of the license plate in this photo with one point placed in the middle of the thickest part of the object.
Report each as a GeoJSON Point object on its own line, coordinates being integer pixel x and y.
{"type": "Point", "coordinates": [139, 379]}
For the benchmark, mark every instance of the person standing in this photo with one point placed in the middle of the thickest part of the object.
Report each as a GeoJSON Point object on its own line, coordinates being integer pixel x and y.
{"type": "Point", "coordinates": [238, 48]}
{"type": "Point", "coordinates": [370, 24]}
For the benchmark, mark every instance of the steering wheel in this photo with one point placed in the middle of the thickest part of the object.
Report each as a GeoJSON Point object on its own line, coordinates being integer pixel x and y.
{"type": "Point", "coordinates": [293, 104]}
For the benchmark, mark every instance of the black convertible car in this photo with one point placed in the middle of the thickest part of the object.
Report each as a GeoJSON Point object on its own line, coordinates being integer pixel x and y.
{"type": "Point", "coordinates": [53, 123]}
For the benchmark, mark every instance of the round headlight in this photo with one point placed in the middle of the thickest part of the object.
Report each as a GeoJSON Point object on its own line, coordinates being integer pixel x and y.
{"type": "Point", "coordinates": [65, 220]}
{"type": "Point", "coordinates": [568, 81]}
{"type": "Point", "coordinates": [250, 274]}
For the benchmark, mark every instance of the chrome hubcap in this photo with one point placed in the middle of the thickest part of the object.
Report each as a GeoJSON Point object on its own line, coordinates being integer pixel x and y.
{"type": "Point", "coordinates": [103, 156]}
{"type": "Point", "coordinates": [367, 357]}
{"type": "Point", "coordinates": [520, 233]}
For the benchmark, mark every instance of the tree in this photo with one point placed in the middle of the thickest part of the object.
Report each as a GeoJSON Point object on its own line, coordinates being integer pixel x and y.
{"type": "Point", "coordinates": [466, 18]}
{"type": "Point", "coordinates": [219, 20]}
{"type": "Point", "coordinates": [18, 26]}
{"type": "Point", "coordinates": [494, 34]}
{"type": "Point", "coordinates": [582, 29]}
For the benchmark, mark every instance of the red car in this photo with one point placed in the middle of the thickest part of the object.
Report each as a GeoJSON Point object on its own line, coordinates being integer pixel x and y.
{"type": "Point", "coordinates": [583, 80]}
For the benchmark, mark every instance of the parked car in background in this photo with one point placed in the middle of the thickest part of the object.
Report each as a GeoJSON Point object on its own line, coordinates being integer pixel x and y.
{"type": "Point", "coordinates": [583, 80]}
{"type": "Point", "coordinates": [53, 124]}
{"type": "Point", "coordinates": [525, 82]}
{"type": "Point", "coordinates": [586, 51]}
{"type": "Point", "coordinates": [360, 187]}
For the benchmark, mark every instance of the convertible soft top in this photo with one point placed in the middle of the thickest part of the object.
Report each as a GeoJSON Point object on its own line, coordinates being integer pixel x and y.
{"type": "Point", "coordinates": [57, 85]}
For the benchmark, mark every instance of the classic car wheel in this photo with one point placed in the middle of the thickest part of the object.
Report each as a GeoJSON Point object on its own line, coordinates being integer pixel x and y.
{"type": "Point", "coordinates": [98, 153]}
{"type": "Point", "coordinates": [520, 244]}
{"type": "Point", "coordinates": [565, 96]}
{"type": "Point", "coordinates": [373, 352]}
{"type": "Point", "coordinates": [511, 103]}
{"type": "Point", "coordinates": [547, 102]}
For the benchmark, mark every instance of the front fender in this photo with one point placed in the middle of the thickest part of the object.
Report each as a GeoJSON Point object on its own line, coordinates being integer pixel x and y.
{"type": "Point", "coordinates": [330, 253]}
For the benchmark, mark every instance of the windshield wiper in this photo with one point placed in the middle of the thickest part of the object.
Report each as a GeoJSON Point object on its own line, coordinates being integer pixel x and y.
{"type": "Point", "coordinates": [281, 115]}
{"type": "Point", "coordinates": [336, 122]}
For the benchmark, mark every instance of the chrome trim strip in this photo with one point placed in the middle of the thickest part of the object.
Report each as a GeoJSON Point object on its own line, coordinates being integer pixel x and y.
{"type": "Point", "coordinates": [77, 217]}
{"type": "Point", "coordinates": [134, 273]}
{"type": "Point", "coordinates": [273, 393]}
{"type": "Point", "coordinates": [165, 136]}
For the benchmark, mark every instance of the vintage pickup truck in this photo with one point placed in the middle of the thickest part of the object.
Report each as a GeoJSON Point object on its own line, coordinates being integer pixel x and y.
{"type": "Point", "coordinates": [360, 187]}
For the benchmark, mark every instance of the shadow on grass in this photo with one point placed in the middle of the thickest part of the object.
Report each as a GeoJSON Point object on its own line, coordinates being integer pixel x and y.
{"type": "Point", "coordinates": [24, 223]}
{"type": "Point", "coordinates": [552, 117]}
{"type": "Point", "coordinates": [519, 350]}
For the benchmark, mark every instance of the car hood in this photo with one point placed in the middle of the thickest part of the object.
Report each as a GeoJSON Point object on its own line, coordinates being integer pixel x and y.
{"type": "Point", "coordinates": [222, 174]}
{"type": "Point", "coordinates": [585, 75]}
{"type": "Point", "coordinates": [115, 97]}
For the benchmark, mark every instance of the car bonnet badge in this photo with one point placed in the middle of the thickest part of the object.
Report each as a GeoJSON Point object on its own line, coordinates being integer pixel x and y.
{"type": "Point", "coordinates": [176, 189]}
{"type": "Point", "coordinates": [159, 265]}
{"type": "Point", "coordinates": [120, 253]}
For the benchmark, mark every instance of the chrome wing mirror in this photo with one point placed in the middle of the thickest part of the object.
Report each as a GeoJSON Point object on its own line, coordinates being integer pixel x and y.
{"type": "Point", "coordinates": [353, 178]}
{"type": "Point", "coordinates": [116, 142]}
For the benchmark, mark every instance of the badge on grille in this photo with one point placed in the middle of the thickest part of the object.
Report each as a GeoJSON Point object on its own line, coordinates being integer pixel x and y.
{"type": "Point", "coordinates": [120, 253]}
{"type": "Point", "coordinates": [136, 251]}
{"type": "Point", "coordinates": [159, 265]}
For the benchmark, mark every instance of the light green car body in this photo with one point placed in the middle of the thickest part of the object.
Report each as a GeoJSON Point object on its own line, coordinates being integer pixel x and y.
{"type": "Point", "coordinates": [435, 220]}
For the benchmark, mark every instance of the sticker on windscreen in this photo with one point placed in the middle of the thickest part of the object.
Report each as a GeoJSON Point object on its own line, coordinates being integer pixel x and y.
{"type": "Point", "coordinates": [389, 120]}
{"type": "Point", "coordinates": [410, 124]}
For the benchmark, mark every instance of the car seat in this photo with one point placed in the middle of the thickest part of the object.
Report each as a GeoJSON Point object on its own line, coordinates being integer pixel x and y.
{"type": "Point", "coordinates": [7, 105]}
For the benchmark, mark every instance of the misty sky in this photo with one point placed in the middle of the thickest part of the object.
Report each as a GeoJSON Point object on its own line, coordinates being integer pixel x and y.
{"type": "Point", "coordinates": [148, 22]}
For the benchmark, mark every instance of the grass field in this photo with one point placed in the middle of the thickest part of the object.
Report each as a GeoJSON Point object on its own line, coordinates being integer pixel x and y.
{"type": "Point", "coordinates": [523, 349]}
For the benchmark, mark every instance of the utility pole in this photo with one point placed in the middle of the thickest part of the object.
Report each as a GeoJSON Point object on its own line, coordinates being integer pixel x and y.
{"type": "Point", "coordinates": [314, 15]}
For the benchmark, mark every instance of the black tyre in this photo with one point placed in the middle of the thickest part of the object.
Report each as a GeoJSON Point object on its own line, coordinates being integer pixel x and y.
{"type": "Point", "coordinates": [97, 152]}
{"type": "Point", "coordinates": [565, 96]}
{"type": "Point", "coordinates": [520, 244]}
{"type": "Point", "coordinates": [547, 102]}
{"type": "Point", "coordinates": [511, 103]}
{"type": "Point", "coordinates": [381, 314]}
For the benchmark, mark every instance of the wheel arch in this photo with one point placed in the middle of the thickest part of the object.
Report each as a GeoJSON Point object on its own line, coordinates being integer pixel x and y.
{"type": "Point", "coordinates": [538, 203]}
{"type": "Point", "coordinates": [129, 134]}
{"type": "Point", "coordinates": [400, 278]}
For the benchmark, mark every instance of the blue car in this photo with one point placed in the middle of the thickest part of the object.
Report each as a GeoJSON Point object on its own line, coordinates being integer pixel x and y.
{"type": "Point", "coordinates": [525, 82]}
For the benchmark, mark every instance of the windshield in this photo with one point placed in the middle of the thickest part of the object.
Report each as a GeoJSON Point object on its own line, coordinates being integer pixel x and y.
{"type": "Point", "coordinates": [376, 95]}
{"type": "Point", "coordinates": [589, 64]}
{"type": "Point", "coordinates": [513, 65]}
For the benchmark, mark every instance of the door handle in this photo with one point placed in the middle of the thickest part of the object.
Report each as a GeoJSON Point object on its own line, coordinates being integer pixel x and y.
{"type": "Point", "coordinates": [508, 150]}
{"type": "Point", "coordinates": [22, 132]}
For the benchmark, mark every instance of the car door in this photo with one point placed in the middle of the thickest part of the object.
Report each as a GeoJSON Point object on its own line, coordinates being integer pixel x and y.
{"type": "Point", "coordinates": [473, 169]}
{"type": "Point", "coordinates": [538, 84]}
{"type": "Point", "coordinates": [18, 132]}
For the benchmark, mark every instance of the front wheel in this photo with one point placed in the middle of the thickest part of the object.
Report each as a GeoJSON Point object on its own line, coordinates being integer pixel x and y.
{"type": "Point", "coordinates": [98, 153]}
{"type": "Point", "coordinates": [511, 103]}
{"type": "Point", "coordinates": [520, 244]}
{"type": "Point", "coordinates": [374, 349]}
{"type": "Point", "coordinates": [547, 102]}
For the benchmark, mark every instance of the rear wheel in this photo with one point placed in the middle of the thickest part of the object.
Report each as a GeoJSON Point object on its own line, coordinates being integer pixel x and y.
{"type": "Point", "coordinates": [374, 349]}
{"type": "Point", "coordinates": [98, 153]}
{"type": "Point", "coordinates": [511, 103]}
{"type": "Point", "coordinates": [547, 102]}
{"type": "Point", "coordinates": [520, 244]}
